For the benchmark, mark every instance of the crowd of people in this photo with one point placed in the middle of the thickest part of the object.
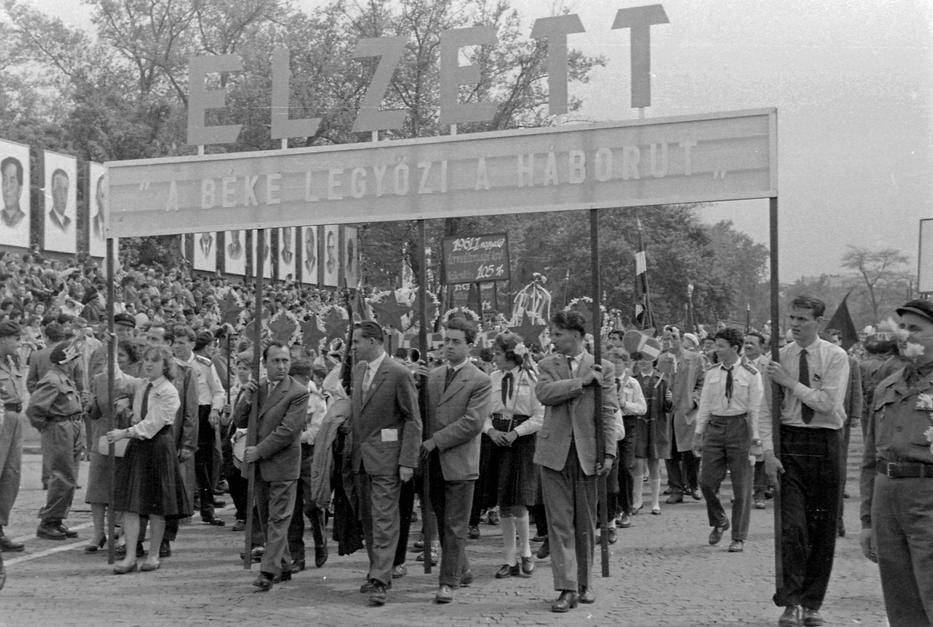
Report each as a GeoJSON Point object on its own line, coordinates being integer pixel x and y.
{"type": "Point", "coordinates": [350, 436]}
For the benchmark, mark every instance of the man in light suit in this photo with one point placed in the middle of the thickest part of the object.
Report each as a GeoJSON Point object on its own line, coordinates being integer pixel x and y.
{"type": "Point", "coordinates": [277, 453]}
{"type": "Point", "coordinates": [386, 425]}
{"type": "Point", "coordinates": [458, 404]}
{"type": "Point", "coordinates": [566, 449]}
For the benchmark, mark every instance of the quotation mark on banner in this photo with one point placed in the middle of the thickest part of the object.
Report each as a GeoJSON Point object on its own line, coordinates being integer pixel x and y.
{"type": "Point", "coordinates": [143, 186]}
{"type": "Point", "coordinates": [719, 174]}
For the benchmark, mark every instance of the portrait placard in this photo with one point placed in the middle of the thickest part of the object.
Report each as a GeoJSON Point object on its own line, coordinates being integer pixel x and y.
{"type": "Point", "coordinates": [14, 214]}
{"type": "Point", "coordinates": [60, 193]}
{"type": "Point", "coordinates": [286, 253]}
{"type": "Point", "coordinates": [330, 256]}
{"type": "Point", "coordinates": [235, 252]}
{"type": "Point", "coordinates": [97, 200]}
{"type": "Point", "coordinates": [205, 252]}
{"type": "Point", "coordinates": [309, 255]}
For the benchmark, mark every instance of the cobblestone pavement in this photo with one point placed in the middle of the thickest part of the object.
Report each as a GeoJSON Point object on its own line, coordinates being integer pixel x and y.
{"type": "Point", "coordinates": [663, 572]}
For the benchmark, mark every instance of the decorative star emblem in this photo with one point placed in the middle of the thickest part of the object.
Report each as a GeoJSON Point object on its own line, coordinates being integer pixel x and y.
{"type": "Point", "coordinates": [529, 330]}
{"type": "Point", "coordinates": [335, 324]}
{"type": "Point", "coordinates": [389, 312]}
{"type": "Point", "coordinates": [432, 313]}
{"type": "Point", "coordinates": [282, 328]}
{"type": "Point", "coordinates": [312, 334]}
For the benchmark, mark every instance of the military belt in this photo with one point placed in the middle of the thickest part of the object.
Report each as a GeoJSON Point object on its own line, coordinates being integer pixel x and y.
{"type": "Point", "coordinates": [905, 470]}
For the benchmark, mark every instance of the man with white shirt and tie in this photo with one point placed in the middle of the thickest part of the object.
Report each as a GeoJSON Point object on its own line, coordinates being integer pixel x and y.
{"type": "Point", "coordinates": [813, 375]}
{"type": "Point", "coordinates": [726, 434]}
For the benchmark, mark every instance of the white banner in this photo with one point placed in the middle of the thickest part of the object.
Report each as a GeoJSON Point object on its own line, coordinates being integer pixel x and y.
{"type": "Point", "coordinates": [205, 252]}
{"type": "Point", "coordinates": [266, 250]}
{"type": "Point", "coordinates": [235, 252]}
{"type": "Point", "coordinates": [309, 255]}
{"type": "Point", "coordinates": [97, 200]}
{"type": "Point", "coordinates": [287, 253]}
{"type": "Point", "coordinates": [60, 191]}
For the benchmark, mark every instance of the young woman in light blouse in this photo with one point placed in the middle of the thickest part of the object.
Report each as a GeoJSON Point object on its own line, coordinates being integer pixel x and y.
{"type": "Point", "coordinates": [516, 415]}
{"type": "Point", "coordinates": [152, 484]}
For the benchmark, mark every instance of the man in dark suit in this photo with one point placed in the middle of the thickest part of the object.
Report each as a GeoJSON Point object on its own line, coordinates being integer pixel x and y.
{"type": "Point", "coordinates": [458, 404]}
{"type": "Point", "coordinates": [386, 426]}
{"type": "Point", "coordinates": [277, 453]}
{"type": "Point", "coordinates": [566, 450]}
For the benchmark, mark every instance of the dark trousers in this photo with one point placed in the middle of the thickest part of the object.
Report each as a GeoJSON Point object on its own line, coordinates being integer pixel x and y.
{"type": "Point", "coordinates": [484, 492]}
{"type": "Point", "coordinates": [682, 468]}
{"type": "Point", "coordinates": [809, 500]}
{"type": "Point", "coordinates": [239, 487]}
{"type": "Point", "coordinates": [625, 462]}
{"type": "Point", "coordinates": [760, 482]}
{"type": "Point", "coordinates": [725, 445]}
{"type": "Point", "coordinates": [451, 502]}
{"type": "Point", "coordinates": [204, 462]}
{"type": "Point", "coordinates": [406, 504]}
{"type": "Point", "coordinates": [570, 502]}
{"type": "Point", "coordinates": [305, 506]}
{"type": "Point", "coordinates": [902, 524]}
{"type": "Point", "coordinates": [540, 515]}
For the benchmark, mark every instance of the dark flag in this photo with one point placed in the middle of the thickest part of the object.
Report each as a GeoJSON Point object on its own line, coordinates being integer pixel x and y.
{"type": "Point", "coordinates": [842, 322]}
{"type": "Point", "coordinates": [643, 315]}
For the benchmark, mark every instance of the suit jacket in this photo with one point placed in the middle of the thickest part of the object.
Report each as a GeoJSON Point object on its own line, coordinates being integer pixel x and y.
{"type": "Point", "coordinates": [386, 421]}
{"type": "Point", "coordinates": [570, 411]}
{"type": "Point", "coordinates": [456, 416]}
{"type": "Point", "coordinates": [686, 390]}
{"type": "Point", "coordinates": [281, 419]}
{"type": "Point", "coordinates": [185, 429]}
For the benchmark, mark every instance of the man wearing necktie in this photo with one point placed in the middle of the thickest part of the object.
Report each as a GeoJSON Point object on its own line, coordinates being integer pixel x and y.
{"type": "Point", "coordinates": [386, 432]}
{"type": "Point", "coordinates": [812, 375]}
{"type": "Point", "coordinates": [459, 396]}
{"type": "Point", "coordinates": [566, 449]}
{"type": "Point", "coordinates": [726, 433]}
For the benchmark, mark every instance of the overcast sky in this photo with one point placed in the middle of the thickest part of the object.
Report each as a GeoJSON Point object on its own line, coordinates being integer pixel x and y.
{"type": "Point", "coordinates": [852, 81]}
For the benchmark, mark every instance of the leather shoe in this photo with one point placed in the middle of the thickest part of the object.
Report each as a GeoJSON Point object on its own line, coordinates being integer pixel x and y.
{"type": "Point", "coordinates": [473, 532]}
{"type": "Point", "coordinates": [507, 570]}
{"type": "Point", "coordinates": [214, 522]}
{"type": "Point", "coordinates": [255, 554]}
{"type": "Point", "coordinates": [612, 535]}
{"type": "Point", "coordinates": [528, 567]}
{"type": "Point", "coordinates": [492, 517]}
{"type": "Point", "coordinates": [9, 546]}
{"type": "Point", "coordinates": [697, 495]}
{"type": "Point", "coordinates": [759, 504]}
{"type": "Point", "coordinates": [298, 566]}
{"type": "Point", "coordinates": [812, 618]}
{"type": "Point", "coordinates": [716, 534]}
{"type": "Point", "coordinates": [674, 499]}
{"type": "Point", "coordinates": [239, 525]}
{"type": "Point", "coordinates": [379, 594]}
{"type": "Point", "coordinates": [538, 538]}
{"type": "Point", "coordinates": [264, 581]}
{"type": "Point", "coordinates": [466, 578]}
{"type": "Point", "coordinates": [586, 595]}
{"type": "Point", "coordinates": [370, 585]}
{"type": "Point", "coordinates": [399, 571]}
{"type": "Point", "coordinates": [285, 575]}
{"type": "Point", "coordinates": [165, 549]}
{"type": "Point", "coordinates": [444, 594]}
{"type": "Point", "coordinates": [68, 532]}
{"type": "Point", "coordinates": [418, 545]}
{"type": "Point", "coordinates": [625, 521]}
{"type": "Point", "coordinates": [565, 602]}
{"type": "Point", "coordinates": [220, 504]}
{"type": "Point", "coordinates": [320, 555]}
{"type": "Point", "coordinates": [544, 550]}
{"type": "Point", "coordinates": [736, 546]}
{"type": "Point", "coordinates": [790, 617]}
{"type": "Point", "coordinates": [50, 532]}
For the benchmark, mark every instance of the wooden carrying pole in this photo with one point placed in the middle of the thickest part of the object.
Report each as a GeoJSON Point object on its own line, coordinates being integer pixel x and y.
{"type": "Point", "coordinates": [776, 396]}
{"type": "Point", "coordinates": [254, 408]}
{"type": "Point", "coordinates": [423, 395]}
{"type": "Point", "coordinates": [601, 444]}
{"type": "Point", "coordinates": [111, 373]}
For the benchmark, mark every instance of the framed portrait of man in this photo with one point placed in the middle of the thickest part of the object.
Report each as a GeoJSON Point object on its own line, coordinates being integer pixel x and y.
{"type": "Point", "coordinates": [97, 200]}
{"type": "Point", "coordinates": [330, 259]}
{"type": "Point", "coordinates": [61, 233]}
{"type": "Point", "coordinates": [205, 252]}
{"type": "Point", "coordinates": [286, 253]}
{"type": "Point", "coordinates": [309, 255]}
{"type": "Point", "coordinates": [14, 192]}
{"type": "Point", "coordinates": [264, 248]}
{"type": "Point", "coordinates": [350, 255]}
{"type": "Point", "coordinates": [235, 252]}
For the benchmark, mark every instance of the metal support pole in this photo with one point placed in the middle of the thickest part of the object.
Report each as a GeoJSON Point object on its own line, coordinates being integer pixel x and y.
{"type": "Point", "coordinates": [429, 531]}
{"type": "Point", "coordinates": [111, 353]}
{"type": "Point", "coordinates": [601, 444]}
{"type": "Point", "coordinates": [254, 409]}
{"type": "Point", "coordinates": [776, 395]}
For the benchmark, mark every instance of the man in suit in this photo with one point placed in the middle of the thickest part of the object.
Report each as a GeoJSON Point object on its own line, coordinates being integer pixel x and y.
{"type": "Point", "coordinates": [59, 201]}
{"type": "Point", "coordinates": [11, 173]}
{"type": "Point", "coordinates": [567, 451]}
{"type": "Point", "coordinates": [386, 425]}
{"type": "Point", "coordinates": [277, 453]}
{"type": "Point", "coordinates": [687, 384]}
{"type": "Point", "coordinates": [459, 395]}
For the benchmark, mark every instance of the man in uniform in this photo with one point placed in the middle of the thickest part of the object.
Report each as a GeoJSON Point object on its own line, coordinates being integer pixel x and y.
{"type": "Point", "coordinates": [11, 432]}
{"type": "Point", "coordinates": [897, 476]}
{"type": "Point", "coordinates": [55, 409]}
{"type": "Point", "coordinates": [813, 375]}
{"type": "Point", "coordinates": [726, 432]}
{"type": "Point", "coordinates": [566, 450]}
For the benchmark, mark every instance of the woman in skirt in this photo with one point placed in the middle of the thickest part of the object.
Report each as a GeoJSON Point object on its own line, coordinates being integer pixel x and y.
{"type": "Point", "coordinates": [102, 416]}
{"type": "Point", "coordinates": [652, 442]}
{"type": "Point", "coordinates": [152, 484]}
{"type": "Point", "coordinates": [516, 417]}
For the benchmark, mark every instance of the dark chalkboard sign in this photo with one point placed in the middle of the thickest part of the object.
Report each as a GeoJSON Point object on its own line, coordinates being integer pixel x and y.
{"type": "Point", "coordinates": [476, 259]}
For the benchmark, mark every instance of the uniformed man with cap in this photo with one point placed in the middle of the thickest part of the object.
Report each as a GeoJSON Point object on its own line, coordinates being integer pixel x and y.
{"type": "Point", "coordinates": [897, 475]}
{"type": "Point", "coordinates": [55, 409]}
{"type": "Point", "coordinates": [124, 327]}
{"type": "Point", "coordinates": [11, 433]}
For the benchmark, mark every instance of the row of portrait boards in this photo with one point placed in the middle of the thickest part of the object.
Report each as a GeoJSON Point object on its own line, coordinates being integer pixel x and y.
{"type": "Point", "coordinates": [44, 207]}
{"type": "Point", "coordinates": [328, 255]}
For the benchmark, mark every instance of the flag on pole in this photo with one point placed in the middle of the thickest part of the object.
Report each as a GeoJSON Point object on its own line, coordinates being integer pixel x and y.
{"type": "Point", "coordinates": [361, 309]}
{"type": "Point", "coordinates": [842, 322]}
{"type": "Point", "coordinates": [643, 315]}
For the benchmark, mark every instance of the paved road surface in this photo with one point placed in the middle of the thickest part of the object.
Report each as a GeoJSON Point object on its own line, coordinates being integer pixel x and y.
{"type": "Point", "coordinates": [663, 572]}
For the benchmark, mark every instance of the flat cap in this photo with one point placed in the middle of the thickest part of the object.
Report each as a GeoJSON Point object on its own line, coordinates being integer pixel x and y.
{"type": "Point", "coordinates": [125, 320]}
{"type": "Point", "coordinates": [919, 307]}
{"type": "Point", "coordinates": [8, 328]}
